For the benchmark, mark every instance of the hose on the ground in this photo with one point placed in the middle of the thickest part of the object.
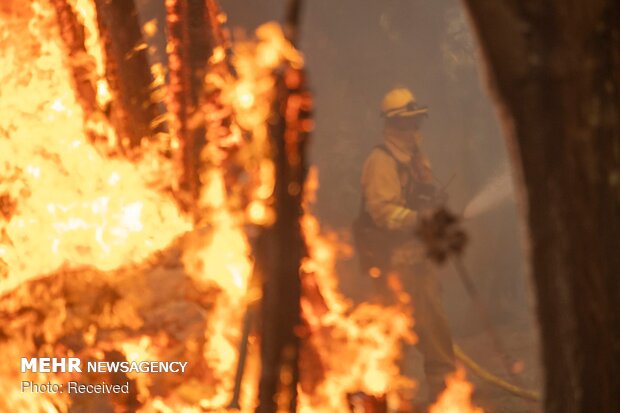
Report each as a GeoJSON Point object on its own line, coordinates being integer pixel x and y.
{"type": "Point", "coordinates": [486, 375]}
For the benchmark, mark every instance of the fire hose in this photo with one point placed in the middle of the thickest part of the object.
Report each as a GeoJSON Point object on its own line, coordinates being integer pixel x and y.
{"type": "Point", "coordinates": [492, 378]}
{"type": "Point", "coordinates": [445, 240]}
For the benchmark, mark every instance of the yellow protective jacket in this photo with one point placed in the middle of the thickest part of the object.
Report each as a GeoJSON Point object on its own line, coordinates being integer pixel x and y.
{"type": "Point", "coordinates": [394, 183]}
{"type": "Point", "coordinates": [391, 181]}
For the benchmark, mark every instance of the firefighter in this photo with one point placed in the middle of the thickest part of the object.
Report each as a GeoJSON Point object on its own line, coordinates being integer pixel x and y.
{"type": "Point", "coordinates": [397, 190]}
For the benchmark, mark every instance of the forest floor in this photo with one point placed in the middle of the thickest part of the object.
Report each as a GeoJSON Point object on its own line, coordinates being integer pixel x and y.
{"type": "Point", "coordinates": [521, 344]}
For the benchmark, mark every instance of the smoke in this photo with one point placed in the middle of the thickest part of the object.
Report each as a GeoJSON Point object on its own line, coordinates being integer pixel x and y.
{"type": "Point", "coordinates": [497, 191]}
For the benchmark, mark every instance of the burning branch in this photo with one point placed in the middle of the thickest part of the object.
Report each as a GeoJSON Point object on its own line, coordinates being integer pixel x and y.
{"type": "Point", "coordinates": [81, 64]}
{"type": "Point", "coordinates": [127, 68]}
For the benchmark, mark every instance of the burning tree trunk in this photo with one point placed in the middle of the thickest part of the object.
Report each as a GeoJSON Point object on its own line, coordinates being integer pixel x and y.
{"type": "Point", "coordinates": [72, 33]}
{"type": "Point", "coordinates": [127, 69]}
{"type": "Point", "coordinates": [280, 257]}
{"type": "Point", "coordinates": [176, 19]}
{"type": "Point", "coordinates": [192, 37]}
{"type": "Point", "coordinates": [282, 250]}
{"type": "Point", "coordinates": [555, 66]}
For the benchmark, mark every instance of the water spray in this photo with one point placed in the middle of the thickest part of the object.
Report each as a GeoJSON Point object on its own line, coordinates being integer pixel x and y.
{"type": "Point", "coordinates": [497, 191]}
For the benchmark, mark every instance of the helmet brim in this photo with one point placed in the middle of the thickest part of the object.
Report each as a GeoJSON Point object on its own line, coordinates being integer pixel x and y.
{"type": "Point", "coordinates": [409, 113]}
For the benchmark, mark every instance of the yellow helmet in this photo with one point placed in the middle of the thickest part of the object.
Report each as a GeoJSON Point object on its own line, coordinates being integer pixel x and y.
{"type": "Point", "coordinates": [401, 102]}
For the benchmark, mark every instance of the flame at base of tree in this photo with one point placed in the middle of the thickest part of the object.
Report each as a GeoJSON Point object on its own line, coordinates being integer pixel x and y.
{"type": "Point", "coordinates": [71, 206]}
{"type": "Point", "coordinates": [358, 346]}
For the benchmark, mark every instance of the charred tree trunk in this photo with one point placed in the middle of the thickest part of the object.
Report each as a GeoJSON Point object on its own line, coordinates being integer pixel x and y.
{"type": "Point", "coordinates": [179, 85]}
{"type": "Point", "coordinates": [192, 38]}
{"type": "Point", "coordinates": [280, 257]}
{"type": "Point", "coordinates": [81, 64]}
{"type": "Point", "coordinates": [128, 71]}
{"type": "Point", "coordinates": [555, 67]}
{"type": "Point", "coordinates": [282, 250]}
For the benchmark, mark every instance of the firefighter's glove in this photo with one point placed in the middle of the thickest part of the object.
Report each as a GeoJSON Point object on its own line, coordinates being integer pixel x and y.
{"type": "Point", "coordinates": [441, 234]}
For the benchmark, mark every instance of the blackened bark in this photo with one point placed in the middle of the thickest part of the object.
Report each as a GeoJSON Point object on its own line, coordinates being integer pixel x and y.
{"type": "Point", "coordinates": [202, 42]}
{"type": "Point", "coordinates": [214, 13]}
{"type": "Point", "coordinates": [282, 250]}
{"type": "Point", "coordinates": [555, 67]}
{"type": "Point", "coordinates": [178, 99]}
{"type": "Point", "coordinates": [81, 64]}
{"type": "Point", "coordinates": [127, 69]}
{"type": "Point", "coordinates": [192, 37]}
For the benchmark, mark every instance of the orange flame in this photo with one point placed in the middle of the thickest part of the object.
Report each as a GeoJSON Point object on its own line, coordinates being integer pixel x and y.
{"type": "Point", "coordinates": [456, 398]}
{"type": "Point", "coordinates": [359, 345]}
{"type": "Point", "coordinates": [71, 205]}
{"type": "Point", "coordinates": [65, 203]}
{"type": "Point", "coordinates": [220, 254]}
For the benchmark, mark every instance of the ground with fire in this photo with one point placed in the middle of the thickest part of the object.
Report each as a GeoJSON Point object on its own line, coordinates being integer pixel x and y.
{"type": "Point", "coordinates": [163, 213]}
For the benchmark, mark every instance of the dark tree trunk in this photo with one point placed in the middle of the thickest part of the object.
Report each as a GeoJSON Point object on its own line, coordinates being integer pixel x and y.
{"type": "Point", "coordinates": [128, 70]}
{"type": "Point", "coordinates": [282, 249]}
{"type": "Point", "coordinates": [179, 89]}
{"type": "Point", "coordinates": [191, 39]}
{"type": "Point", "coordinates": [555, 67]}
